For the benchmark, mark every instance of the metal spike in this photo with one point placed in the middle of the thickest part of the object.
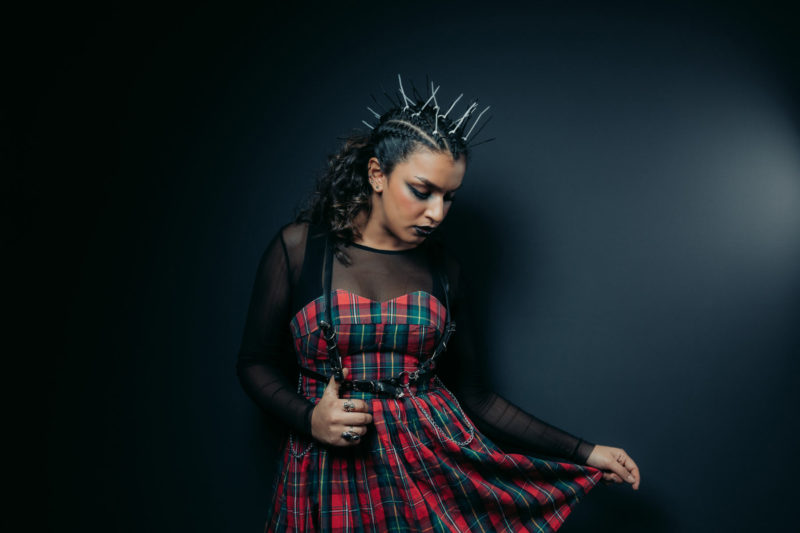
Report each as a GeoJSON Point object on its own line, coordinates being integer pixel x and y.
{"type": "Point", "coordinates": [389, 97]}
{"type": "Point", "coordinates": [471, 146]}
{"type": "Point", "coordinates": [436, 121]}
{"type": "Point", "coordinates": [426, 103]}
{"type": "Point", "coordinates": [373, 112]}
{"type": "Point", "coordinates": [485, 122]}
{"type": "Point", "coordinates": [376, 103]}
{"type": "Point", "coordinates": [476, 121]}
{"type": "Point", "coordinates": [405, 98]}
{"type": "Point", "coordinates": [453, 105]}
{"type": "Point", "coordinates": [368, 124]}
{"type": "Point", "coordinates": [469, 110]}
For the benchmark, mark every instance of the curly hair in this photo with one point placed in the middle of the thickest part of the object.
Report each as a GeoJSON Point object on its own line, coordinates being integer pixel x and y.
{"type": "Point", "coordinates": [342, 191]}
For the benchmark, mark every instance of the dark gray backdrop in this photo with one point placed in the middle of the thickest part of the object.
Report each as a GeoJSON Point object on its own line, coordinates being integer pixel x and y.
{"type": "Point", "coordinates": [637, 221]}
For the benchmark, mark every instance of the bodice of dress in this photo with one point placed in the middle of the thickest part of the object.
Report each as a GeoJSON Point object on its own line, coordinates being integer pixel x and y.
{"type": "Point", "coordinates": [376, 340]}
{"type": "Point", "coordinates": [388, 311]}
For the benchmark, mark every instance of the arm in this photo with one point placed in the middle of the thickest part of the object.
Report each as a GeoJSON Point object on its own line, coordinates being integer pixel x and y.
{"type": "Point", "coordinates": [501, 420]}
{"type": "Point", "coordinates": [266, 364]}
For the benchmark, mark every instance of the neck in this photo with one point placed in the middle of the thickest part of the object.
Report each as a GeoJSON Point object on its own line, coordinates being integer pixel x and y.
{"type": "Point", "coordinates": [375, 233]}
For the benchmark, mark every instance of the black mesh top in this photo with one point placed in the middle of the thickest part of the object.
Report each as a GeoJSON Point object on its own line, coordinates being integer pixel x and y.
{"type": "Point", "coordinates": [289, 276]}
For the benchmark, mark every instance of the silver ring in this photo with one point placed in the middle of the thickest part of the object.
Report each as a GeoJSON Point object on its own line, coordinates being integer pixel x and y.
{"type": "Point", "coordinates": [350, 437]}
{"type": "Point", "coordinates": [349, 406]}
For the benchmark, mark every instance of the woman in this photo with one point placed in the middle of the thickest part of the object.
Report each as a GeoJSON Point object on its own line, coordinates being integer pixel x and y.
{"type": "Point", "coordinates": [360, 294]}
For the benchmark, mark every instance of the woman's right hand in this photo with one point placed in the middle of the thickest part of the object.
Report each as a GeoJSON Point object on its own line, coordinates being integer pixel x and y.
{"type": "Point", "coordinates": [329, 418]}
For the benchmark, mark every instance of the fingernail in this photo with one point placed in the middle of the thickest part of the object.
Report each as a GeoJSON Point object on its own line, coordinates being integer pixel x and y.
{"type": "Point", "coordinates": [630, 478]}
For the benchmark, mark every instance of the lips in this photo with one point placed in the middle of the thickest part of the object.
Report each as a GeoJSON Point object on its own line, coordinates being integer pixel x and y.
{"type": "Point", "coordinates": [423, 230]}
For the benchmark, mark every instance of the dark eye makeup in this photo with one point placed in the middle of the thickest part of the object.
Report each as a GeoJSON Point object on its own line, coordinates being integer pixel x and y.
{"type": "Point", "coordinates": [419, 194]}
{"type": "Point", "coordinates": [425, 195]}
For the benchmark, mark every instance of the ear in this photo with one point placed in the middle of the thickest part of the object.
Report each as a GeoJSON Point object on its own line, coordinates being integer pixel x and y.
{"type": "Point", "coordinates": [377, 179]}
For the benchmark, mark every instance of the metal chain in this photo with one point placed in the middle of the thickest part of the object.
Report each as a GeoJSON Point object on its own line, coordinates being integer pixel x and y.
{"type": "Point", "coordinates": [291, 433]}
{"type": "Point", "coordinates": [439, 432]}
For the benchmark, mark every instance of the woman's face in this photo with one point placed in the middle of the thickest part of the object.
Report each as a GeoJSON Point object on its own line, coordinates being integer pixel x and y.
{"type": "Point", "coordinates": [414, 199]}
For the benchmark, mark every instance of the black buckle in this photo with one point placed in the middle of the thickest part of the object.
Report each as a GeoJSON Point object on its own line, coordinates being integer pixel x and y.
{"type": "Point", "coordinates": [375, 387]}
{"type": "Point", "coordinates": [329, 334]}
{"type": "Point", "coordinates": [388, 388]}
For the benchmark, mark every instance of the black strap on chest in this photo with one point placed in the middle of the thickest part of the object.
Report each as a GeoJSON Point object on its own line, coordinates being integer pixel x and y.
{"type": "Point", "coordinates": [396, 385]}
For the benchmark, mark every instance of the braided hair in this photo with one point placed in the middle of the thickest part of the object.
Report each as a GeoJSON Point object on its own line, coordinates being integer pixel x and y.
{"type": "Point", "coordinates": [342, 191]}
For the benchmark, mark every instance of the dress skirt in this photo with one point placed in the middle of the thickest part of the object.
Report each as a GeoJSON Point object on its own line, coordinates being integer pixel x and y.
{"type": "Point", "coordinates": [422, 465]}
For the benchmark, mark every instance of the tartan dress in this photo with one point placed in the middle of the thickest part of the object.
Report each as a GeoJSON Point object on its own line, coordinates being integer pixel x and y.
{"type": "Point", "coordinates": [422, 465]}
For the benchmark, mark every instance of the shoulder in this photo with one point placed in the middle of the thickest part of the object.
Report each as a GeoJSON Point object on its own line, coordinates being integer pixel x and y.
{"type": "Point", "coordinates": [294, 236]}
{"type": "Point", "coordinates": [301, 239]}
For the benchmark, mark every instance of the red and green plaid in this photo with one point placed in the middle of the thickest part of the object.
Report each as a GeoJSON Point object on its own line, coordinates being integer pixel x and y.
{"type": "Point", "coordinates": [422, 466]}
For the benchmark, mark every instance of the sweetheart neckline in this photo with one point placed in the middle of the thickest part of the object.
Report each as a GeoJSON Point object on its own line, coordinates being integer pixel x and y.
{"type": "Point", "coordinates": [408, 294]}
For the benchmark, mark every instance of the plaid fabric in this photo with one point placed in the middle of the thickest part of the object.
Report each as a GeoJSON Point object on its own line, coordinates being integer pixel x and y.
{"type": "Point", "coordinates": [422, 466]}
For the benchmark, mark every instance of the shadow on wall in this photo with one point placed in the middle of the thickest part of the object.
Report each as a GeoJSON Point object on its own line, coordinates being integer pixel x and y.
{"type": "Point", "coordinates": [618, 509]}
{"type": "Point", "coordinates": [478, 240]}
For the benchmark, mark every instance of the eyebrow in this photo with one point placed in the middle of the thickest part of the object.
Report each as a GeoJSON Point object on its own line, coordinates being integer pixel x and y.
{"type": "Point", "coordinates": [433, 186]}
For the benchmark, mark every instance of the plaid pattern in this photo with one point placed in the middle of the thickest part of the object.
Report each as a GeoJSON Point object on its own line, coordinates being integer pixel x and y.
{"type": "Point", "coordinates": [417, 468]}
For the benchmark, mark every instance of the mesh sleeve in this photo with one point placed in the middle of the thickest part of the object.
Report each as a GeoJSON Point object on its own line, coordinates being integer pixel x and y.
{"type": "Point", "coordinates": [266, 363]}
{"type": "Point", "coordinates": [507, 424]}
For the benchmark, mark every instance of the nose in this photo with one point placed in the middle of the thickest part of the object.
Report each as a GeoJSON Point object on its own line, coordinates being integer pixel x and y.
{"type": "Point", "coordinates": [435, 211]}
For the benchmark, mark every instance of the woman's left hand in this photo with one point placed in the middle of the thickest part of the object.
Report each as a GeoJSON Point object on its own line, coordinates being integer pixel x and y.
{"type": "Point", "coordinates": [616, 464]}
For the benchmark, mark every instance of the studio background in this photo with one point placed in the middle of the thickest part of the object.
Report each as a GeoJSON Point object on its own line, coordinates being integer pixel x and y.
{"type": "Point", "coordinates": [638, 217]}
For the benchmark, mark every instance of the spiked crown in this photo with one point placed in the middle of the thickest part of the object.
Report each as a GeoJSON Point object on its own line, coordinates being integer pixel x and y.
{"type": "Point", "coordinates": [442, 126]}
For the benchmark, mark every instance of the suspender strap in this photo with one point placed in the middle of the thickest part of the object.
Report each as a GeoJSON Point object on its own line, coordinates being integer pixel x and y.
{"type": "Point", "coordinates": [326, 320]}
{"type": "Point", "coordinates": [429, 365]}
